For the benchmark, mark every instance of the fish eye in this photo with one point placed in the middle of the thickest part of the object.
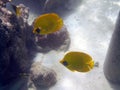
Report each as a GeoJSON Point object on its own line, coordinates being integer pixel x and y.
{"type": "Point", "coordinates": [65, 63]}
{"type": "Point", "coordinates": [38, 30]}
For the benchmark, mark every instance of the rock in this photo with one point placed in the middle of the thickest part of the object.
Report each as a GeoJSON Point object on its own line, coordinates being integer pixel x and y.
{"type": "Point", "coordinates": [42, 77]}
{"type": "Point", "coordinates": [59, 40]}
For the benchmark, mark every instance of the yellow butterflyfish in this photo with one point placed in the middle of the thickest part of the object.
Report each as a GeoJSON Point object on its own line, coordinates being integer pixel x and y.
{"type": "Point", "coordinates": [78, 61]}
{"type": "Point", "coordinates": [47, 24]}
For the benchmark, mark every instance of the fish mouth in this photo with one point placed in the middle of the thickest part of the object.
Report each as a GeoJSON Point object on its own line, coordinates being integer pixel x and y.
{"type": "Point", "coordinates": [61, 61]}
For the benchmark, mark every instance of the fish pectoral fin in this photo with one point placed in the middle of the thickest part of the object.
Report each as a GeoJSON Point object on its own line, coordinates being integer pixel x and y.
{"type": "Point", "coordinates": [89, 67]}
{"type": "Point", "coordinates": [70, 67]}
{"type": "Point", "coordinates": [85, 68]}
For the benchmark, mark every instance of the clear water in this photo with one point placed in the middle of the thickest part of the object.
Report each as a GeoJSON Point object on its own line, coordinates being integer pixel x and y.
{"type": "Point", "coordinates": [90, 27]}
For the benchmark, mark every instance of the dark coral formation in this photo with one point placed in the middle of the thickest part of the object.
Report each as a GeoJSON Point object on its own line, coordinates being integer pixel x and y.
{"type": "Point", "coordinates": [15, 55]}
{"type": "Point", "coordinates": [18, 47]}
{"type": "Point", "coordinates": [13, 52]}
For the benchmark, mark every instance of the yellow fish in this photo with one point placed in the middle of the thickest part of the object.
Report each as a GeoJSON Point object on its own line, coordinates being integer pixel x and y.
{"type": "Point", "coordinates": [78, 61]}
{"type": "Point", "coordinates": [47, 23]}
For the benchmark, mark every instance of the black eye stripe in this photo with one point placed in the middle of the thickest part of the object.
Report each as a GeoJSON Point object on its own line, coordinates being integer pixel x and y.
{"type": "Point", "coordinates": [65, 63]}
{"type": "Point", "coordinates": [38, 30]}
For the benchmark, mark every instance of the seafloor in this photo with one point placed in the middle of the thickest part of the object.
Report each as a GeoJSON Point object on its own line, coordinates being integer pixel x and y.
{"type": "Point", "coordinates": [89, 25]}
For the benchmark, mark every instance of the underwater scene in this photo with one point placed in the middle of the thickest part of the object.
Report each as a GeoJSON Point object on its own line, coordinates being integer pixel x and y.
{"type": "Point", "coordinates": [58, 44]}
